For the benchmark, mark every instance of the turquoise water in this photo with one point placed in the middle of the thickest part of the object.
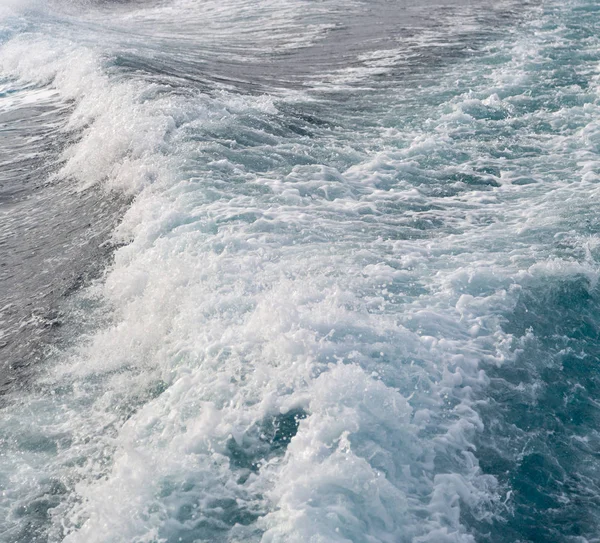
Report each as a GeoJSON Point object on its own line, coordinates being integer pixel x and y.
{"type": "Point", "coordinates": [352, 293]}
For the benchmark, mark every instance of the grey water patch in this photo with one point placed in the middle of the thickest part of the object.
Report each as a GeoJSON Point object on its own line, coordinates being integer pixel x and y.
{"type": "Point", "coordinates": [541, 416]}
{"type": "Point", "coordinates": [164, 51]}
{"type": "Point", "coordinates": [53, 237]}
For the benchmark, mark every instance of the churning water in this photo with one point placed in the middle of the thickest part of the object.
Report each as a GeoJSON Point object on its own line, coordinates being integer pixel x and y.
{"type": "Point", "coordinates": [299, 271]}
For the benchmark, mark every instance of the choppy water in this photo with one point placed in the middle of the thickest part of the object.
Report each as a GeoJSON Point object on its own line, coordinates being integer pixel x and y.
{"type": "Point", "coordinates": [295, 271]}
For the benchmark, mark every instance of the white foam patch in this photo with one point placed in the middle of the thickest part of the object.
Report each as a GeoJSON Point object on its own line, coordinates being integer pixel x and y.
{"type": "Point", "coordinates": [126, 134]}
{"type": "Point", "coordinates": [12, 8]}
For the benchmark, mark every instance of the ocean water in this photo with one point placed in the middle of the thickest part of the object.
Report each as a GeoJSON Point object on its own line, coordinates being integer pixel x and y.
{"type": "Point", "coordinates": [289, 271]}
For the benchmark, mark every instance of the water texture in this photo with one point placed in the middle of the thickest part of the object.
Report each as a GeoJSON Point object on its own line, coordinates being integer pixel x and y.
{"type": "Point", "coordinates": [288, 271]}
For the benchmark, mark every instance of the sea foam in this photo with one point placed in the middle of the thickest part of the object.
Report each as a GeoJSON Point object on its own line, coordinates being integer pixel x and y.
{"type": "Point", "coordinates": [295, 339]}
